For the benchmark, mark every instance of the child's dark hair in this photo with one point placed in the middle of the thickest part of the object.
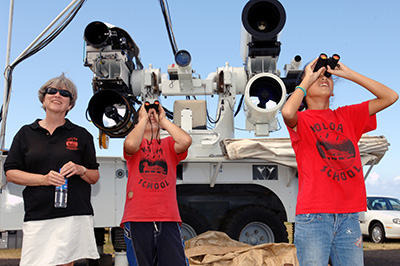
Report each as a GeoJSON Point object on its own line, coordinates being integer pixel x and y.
{"type": "Point", "coordinates": [300, 77]}
{"type": "Point", "coordinates": [303, 105]}
{"type": "Point", "coordinates": [136, 117]}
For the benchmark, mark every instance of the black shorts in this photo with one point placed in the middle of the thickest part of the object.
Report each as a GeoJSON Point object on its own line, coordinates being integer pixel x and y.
{"type": "Point", "coordinates": [154, 243]}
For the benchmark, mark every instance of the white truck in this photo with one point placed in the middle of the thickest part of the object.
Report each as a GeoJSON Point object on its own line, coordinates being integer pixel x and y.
{"type": "Point", "coordinates": [244, 187]}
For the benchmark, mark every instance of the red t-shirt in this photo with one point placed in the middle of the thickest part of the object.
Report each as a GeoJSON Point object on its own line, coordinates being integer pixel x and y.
{"type": "Point", "coordinates": [329, 166]}
{"type": "Point", "coordinates": [151, 187]}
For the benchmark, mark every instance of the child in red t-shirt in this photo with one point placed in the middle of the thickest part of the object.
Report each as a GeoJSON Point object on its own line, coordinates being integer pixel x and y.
{"type": "Point", "coordinates": [331, 183]}
{"type": "Point", "coordinates": [151, 217]}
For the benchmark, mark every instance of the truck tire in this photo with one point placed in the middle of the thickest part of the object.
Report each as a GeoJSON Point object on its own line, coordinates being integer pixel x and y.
{"type": "Point", "coordinates": [117, 239]}
{"type": "Point", "coordinates": [193, 222]}
{"type": "Point", "coordinates": [254, 225]}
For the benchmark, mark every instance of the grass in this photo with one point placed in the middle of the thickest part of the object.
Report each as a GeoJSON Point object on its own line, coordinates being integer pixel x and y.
{"type": "Point", "coordinates": [10, 253]}
{"type": "Point", "coordinates": [16, 253]}
{"type": "Point", "coordinates": [389, 244]}
{"type": "Point", "coordinates": [367, 245]}
{"type": "Point", "coordinates": [108, 248]}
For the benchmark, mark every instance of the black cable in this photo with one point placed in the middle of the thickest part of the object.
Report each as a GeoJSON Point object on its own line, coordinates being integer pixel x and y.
{"type": "Point", "coordinates": [211, 120]}
{"type": "Point", "coordinates": [64, 23]}
{"type": "Point", "coordinates": [42, 44]}
{"type": "Point", "coordinates": [8, 77]}
{"type": "Point", "coordinates": [166, 15]}
{"type": "Point", "coordinates": [169, 113]}
{"type": "Point", "coordinates": [239, 106]}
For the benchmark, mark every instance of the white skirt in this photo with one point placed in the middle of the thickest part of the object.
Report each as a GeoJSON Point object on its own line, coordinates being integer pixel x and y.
{"type": "Point", "coordinates": [58, 241]}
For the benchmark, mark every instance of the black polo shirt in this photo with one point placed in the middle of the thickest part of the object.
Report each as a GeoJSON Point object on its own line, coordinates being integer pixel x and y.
{"type": "Point", "coordinates": [35, 150]}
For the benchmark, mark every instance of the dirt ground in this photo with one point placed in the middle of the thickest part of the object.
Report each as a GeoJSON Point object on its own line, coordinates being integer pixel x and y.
{"type": "Point", "coordinates": [382, 257]}
{"type": "Point", "coordinates": [371, 258]}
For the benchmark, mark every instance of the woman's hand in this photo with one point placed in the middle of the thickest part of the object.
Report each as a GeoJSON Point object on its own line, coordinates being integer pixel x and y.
{"type": "Point", "coordinates": [69, 169]}
{"type": "Point", "coordinates": [53, 178]}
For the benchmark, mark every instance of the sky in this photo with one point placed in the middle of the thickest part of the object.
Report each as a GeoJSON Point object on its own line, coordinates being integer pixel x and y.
{"type": "Point", "coordinates": [363, 32]}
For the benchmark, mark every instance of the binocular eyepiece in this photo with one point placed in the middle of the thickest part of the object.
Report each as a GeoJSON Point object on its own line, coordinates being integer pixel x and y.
{"type": "Point", "coordinates": [324, 61]}
{"type": "Point", "coordinates": [153, 105]}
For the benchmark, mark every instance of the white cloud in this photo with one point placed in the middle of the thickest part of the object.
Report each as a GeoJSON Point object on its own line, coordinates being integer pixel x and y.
{"type": "Point", "coordinates": [373, 179]}
{"type": "Point", "coordinates": [377, 185]}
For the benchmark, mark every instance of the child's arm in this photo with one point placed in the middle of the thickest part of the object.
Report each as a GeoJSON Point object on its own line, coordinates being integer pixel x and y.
{"type": "Point", "coordinates": [290, 108]}
{"type": "Point", "coordinates": [182, 139]}
{"type": "Point", "coordinates": [134, 138]}
{"type": "Point", "coordinates": [384, 95]}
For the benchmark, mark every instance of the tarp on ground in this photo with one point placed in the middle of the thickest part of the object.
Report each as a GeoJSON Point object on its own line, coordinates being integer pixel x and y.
{"type": "Point", "coordinates": [279, 150]}
{"type": "Point", "coordinates": [215, 248]}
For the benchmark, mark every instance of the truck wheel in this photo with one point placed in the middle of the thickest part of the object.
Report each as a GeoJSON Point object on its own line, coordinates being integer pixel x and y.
{"type": "Point", "coordinates": [193, 223]}
{"type": "Point", "coordinates": [254, 225]}
{"type": "Point", "coordinates": [117, 239]}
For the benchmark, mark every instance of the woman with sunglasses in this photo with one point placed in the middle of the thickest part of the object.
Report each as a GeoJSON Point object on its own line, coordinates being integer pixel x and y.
{"type": "Point", "coordinates": [42, 156]}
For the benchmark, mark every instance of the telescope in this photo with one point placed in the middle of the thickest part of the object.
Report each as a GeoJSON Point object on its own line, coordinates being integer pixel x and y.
{"type": "Point", "coordinates": [265, 93]}
{"type": "Point", "coordinates": [262, 21]}
{"type": "Point", "coordinates": [119, 83]}
{"type": "Point", "coordinates": [109, 54]}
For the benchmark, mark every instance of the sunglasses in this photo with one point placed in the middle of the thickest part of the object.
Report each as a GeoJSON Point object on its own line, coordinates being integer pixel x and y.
{"type": "Point", "coordinates": [63, 93]}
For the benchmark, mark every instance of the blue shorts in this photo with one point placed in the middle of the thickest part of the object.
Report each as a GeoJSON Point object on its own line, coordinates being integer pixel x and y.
{"type": "Point", "coordinates": [319, 236]}
{"type": "Point", "coordinates": [154, 243]}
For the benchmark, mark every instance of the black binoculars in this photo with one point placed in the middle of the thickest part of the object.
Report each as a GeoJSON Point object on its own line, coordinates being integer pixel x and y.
{"type": "Point", "coordinates": [154, 105]}
{"type": "Point", "coordinates": [324, 61]}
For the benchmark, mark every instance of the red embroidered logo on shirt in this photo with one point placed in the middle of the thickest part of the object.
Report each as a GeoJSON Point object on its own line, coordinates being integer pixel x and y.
{"type": "Point", "coordinates": [72, 144]}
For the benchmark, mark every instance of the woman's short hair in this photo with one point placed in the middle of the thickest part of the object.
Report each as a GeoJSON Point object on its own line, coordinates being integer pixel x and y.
{"type": "Point", "coordinates": [60, 82]}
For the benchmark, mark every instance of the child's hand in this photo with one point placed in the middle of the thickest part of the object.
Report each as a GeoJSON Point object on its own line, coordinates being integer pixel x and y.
{"type": "Point", "coordinates": [310, 76]}
{"type": "Point", "coordinates": [143, 113]}
{"type": "Point", "coordinates": [161, 113]}
{"type": "Point", "coordinates": [341, 70]}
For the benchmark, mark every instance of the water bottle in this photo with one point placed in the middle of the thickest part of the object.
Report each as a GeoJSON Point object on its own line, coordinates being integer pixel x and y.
{"type": "Point", "coordinates": [60, 199]}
